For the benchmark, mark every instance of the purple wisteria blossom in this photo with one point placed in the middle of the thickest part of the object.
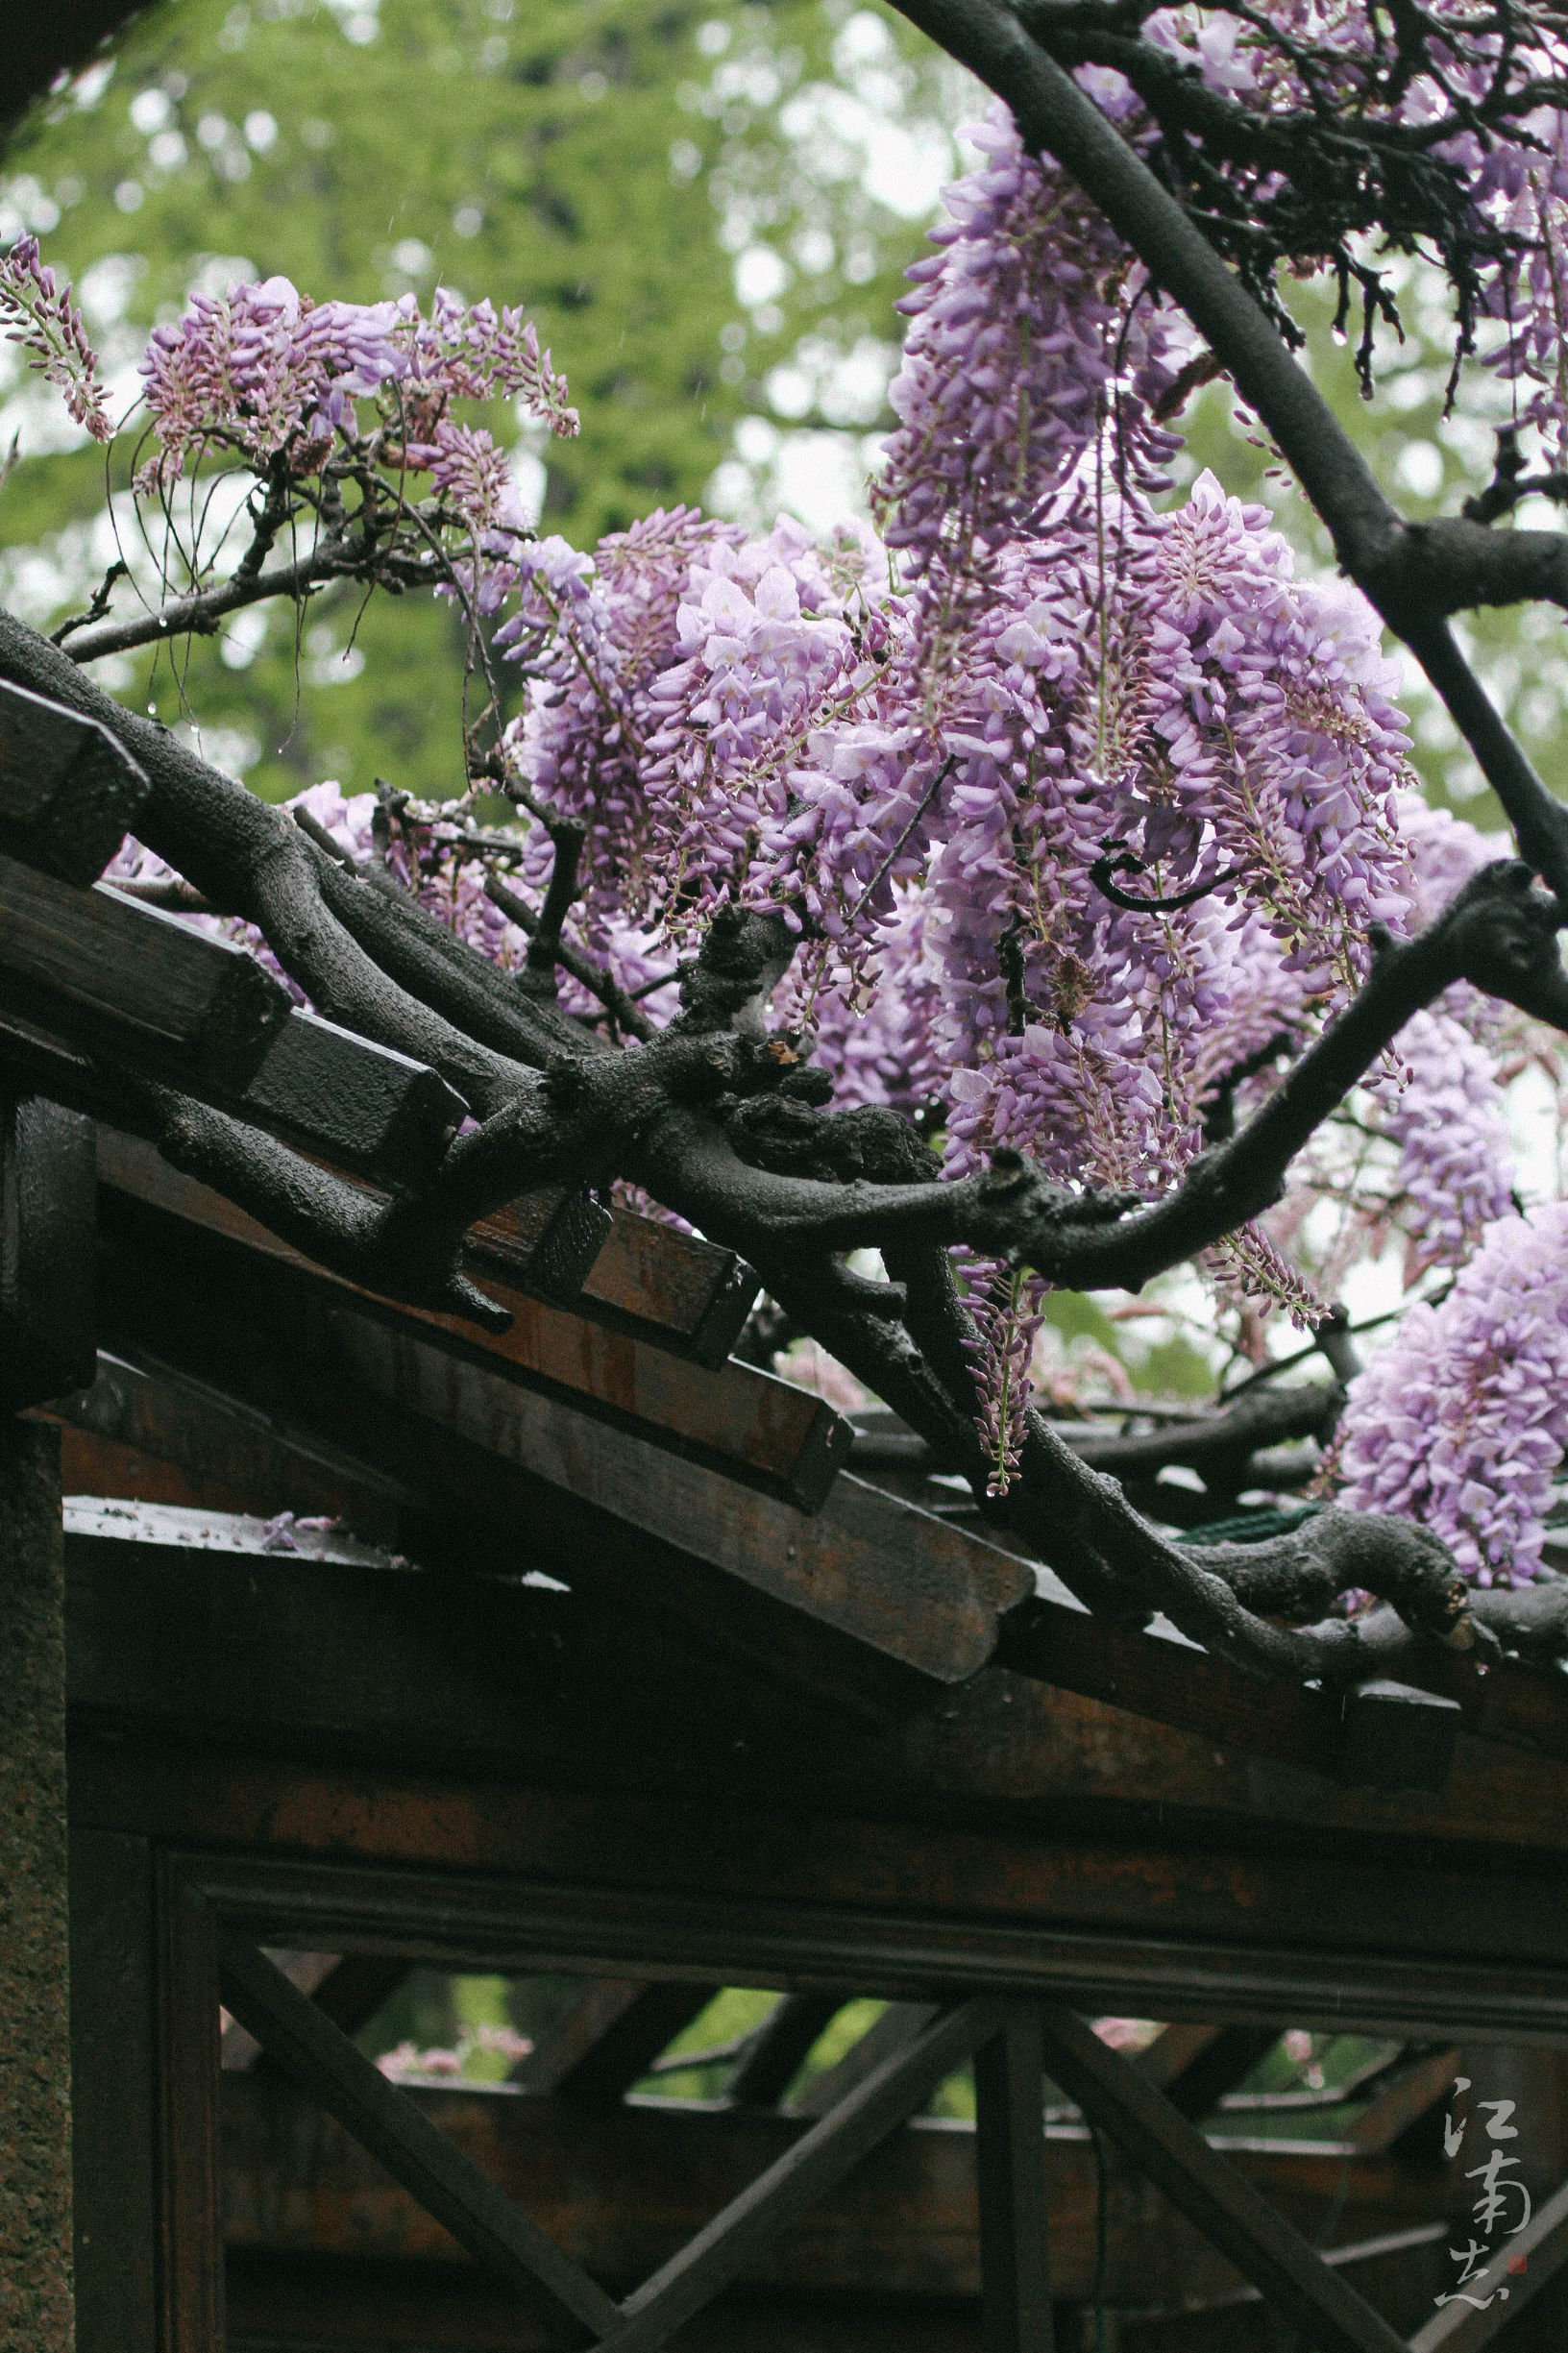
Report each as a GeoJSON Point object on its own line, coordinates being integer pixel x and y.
{"type": "Point", "coordinates": [1081, 806]}
{"type": "Point", "coordinates": [1455, 1153]}
{"type": "Point", "coordinates": [265, 370]}
{"type": "Point", "coordinates": [37, 311]}
{"type": "Point", "coordinates": [1029, 338]}
{"type": "Point", "coordinates": [1462, 1423]}
{"type": "Point", "coordinates": [1006, 1313]}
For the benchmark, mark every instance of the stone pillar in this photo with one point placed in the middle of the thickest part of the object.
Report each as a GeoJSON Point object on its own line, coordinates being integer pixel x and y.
{"type": "Point", "coordinates": [36, 2303]}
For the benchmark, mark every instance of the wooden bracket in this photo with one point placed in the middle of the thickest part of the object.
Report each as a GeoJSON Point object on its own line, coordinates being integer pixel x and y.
{"type": "Point", "coordinates": [70, 792]}
{"type": "Point", "coordinates": [1399, 1737]}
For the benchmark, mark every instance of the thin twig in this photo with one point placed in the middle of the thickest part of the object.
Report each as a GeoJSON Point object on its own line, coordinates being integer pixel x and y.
{"type": "Point", "coordinates": [616, 1001]}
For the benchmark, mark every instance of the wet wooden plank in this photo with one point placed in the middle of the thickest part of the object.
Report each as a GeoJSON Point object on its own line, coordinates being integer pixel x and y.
{"type": "Point", "coordinates": [880, 1574]}
{"type": "Point", "coordinates": [360, 1106]}
{"type": "Point", "coordinates": [671, 1289]}
{"type": "Point", "coordinates": [368, 1110]}
{"type": "Point", "coordinates": [752, 1426]}
{"type": "Point", "coordinates": [68, 790]}
{"type": "Point", "coordinates": [140, 1431]}
{"type": "Point", "coordinates": [668, 1290]}
{"type": "Point", "coordinates": [1323, 1733]}
{"type": "Point", "coordinates": [114, 975]}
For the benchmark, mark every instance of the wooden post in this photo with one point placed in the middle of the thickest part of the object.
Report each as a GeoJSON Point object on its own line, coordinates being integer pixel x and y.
{"type": "Point", "coordinates": [1010, 2146]}
{"type": "Point", "coordinates": [114, 2131]}
{"type": "Point", "coordinates": [35, 2306]}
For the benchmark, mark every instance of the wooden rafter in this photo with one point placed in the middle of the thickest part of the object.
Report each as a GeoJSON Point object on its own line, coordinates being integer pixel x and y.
{"type": "Point", "coordinates": [610, 2037]}
{"type": "Point", "coordinates": [775, 2052]}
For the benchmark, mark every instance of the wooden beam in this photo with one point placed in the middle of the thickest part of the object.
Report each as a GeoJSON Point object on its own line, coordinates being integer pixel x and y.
{"type": "Point", "coordinates": [868, 1603]}
{"type": "Point", "coordinates": [1010, 2153]}
{"type": "Point", "coordinates": [369, 1110]}
{"type": "Point", "coordinates": [1179, 2161]}
{"type": "Point", "coordinates": [795, 2182]}
{"type": "Point", "coordinates": [68, 789]}
{"type": "Point", "coordinates": [190, 2268]}
{"type": "Point", "coordinates": [47, 1203]}
{"type": "Point", "coordinates": [667, 1290]}
{"type": "Point", "coordinates": [1397, 1736]}
{"type": "Point", "coordinates": [1062, 1645]}
{"type": "Point", "coordinates": [673, 1290]}
{"type": "Point", "coordinates": [1541, 2250]}
{"type": "Point", "coordinates": [1173, 2052]}
{"type": "Point", "coordinates": [114, 2118]}
{"type": "Point", "coordinates": [1404, 2093]}
{"type": "Point", "coordinates": [361, 1105]}
{"type": "Point", "coordinates": [499, 2235]}
{"type": "Point", "coordinates": [361, 1984]}
{"type": "Point", "coordinates": [1223, 2063]}
{"type": "Point", "coordinates": [142, 1430]}
{"type": "Point", "coordinates": [116, 976]}
{"type": "Point", "coordinates": [600, 2005]}
{"type": "Point", "coordinates": [759, 1428]}
{"type": "Point", "coordinates": [239, 2049]}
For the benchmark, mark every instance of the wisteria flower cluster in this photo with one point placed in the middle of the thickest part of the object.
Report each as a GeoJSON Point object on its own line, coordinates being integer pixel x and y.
{"type": "Point", "coordinates": [1028, 335]}
{"type": "Point", "coordinates": [1079, 806]}
{"type": "Point", "coordinates": [1462, 1421]}
{"type": "Point", "coordinates": [265, 371]}
{"type": "Point", "coordinates": [37, 311]}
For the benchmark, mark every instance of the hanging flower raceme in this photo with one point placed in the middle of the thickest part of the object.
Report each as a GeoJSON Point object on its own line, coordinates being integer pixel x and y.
{"type": "Point", "coordinates": [595, 636]}
{"type": "Point", "coordinates": [1006, 1313]}
{"type": "Point", "coordinates": [37, 311]}
{"type": "Point", "coordinates": [265, 370]}
{"type": "Point", "coordinates": [1031, 335]}
{"type": "Point", "coordinates": [1449, 1122]}
{"type": "Point", "coordinates": [1462, 1421]}
{"type": "Point", "coordinates": [1169, 836]}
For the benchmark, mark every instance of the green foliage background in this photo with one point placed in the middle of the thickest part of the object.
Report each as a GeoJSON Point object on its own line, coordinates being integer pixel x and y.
{"type": "Point", "coordinates": [579, 158]}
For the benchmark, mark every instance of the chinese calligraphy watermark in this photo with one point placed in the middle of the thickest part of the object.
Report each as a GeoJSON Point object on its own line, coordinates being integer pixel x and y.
{"type": "Point", "coordinates": [1502, 2192]}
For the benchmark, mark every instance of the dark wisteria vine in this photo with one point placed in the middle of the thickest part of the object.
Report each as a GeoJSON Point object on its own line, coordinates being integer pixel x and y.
{"type": "Point", "coordinates": [1029, 889]}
